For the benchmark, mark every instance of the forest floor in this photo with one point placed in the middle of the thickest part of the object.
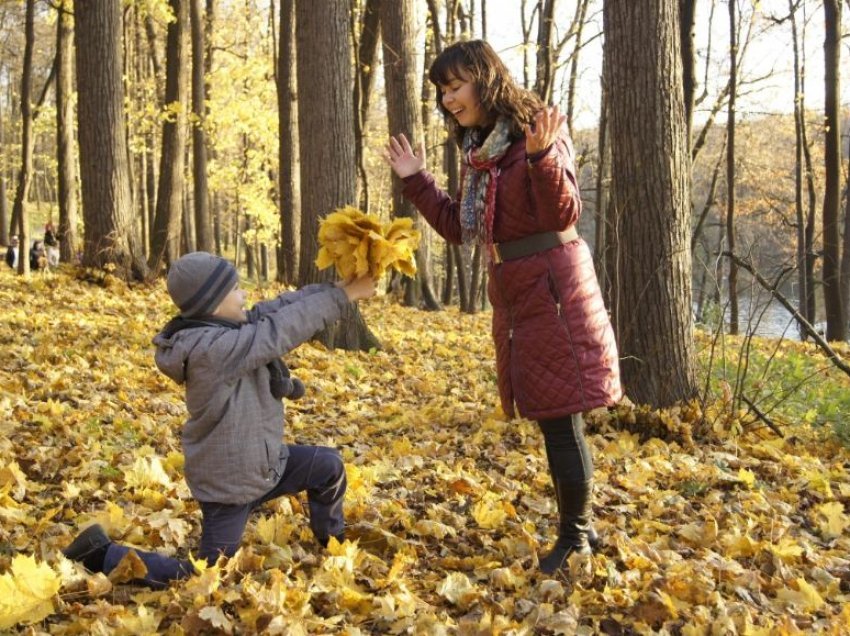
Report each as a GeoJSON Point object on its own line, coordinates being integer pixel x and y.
{"type": "Point", "coordinates": [710, 522]}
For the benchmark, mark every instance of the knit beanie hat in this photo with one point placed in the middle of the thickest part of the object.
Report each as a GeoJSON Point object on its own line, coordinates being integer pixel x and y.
{"type": "Point", "coordinates": [199, 281]}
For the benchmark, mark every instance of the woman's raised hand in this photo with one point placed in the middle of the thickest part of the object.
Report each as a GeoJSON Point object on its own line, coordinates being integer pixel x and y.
{"type": "Point", "coordinates": [401, 157]}
{"type": "Point", "coordinates": [547, 124]}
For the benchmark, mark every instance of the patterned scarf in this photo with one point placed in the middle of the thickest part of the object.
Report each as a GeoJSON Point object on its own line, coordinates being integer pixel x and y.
{"type": "Point", "coordinates": [480, 177]}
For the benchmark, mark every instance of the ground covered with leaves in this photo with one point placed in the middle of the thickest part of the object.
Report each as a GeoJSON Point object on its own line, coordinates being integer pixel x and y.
{"type": "Point", "coordinates": [703, 531]}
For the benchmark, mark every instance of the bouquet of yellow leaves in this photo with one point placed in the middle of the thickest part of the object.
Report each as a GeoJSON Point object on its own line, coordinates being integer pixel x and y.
{"type": "Point", "coordinates": [358, 244]}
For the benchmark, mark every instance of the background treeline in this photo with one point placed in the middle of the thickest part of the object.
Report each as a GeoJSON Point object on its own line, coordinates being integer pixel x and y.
{"type": "Point", "coordinates": [148, 128]}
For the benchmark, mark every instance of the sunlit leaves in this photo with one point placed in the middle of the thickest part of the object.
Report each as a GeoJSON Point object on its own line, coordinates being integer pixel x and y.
{"type": "Point", "coordinates": [358, 244]}
{"type": "Point", "coordinates": [27, 591]}
{"type": "Point", "coordinates": [448, 503]}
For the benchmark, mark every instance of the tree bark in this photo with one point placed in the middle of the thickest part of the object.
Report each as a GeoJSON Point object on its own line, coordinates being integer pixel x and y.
{"type": "Point", "coordinates": [401, 75]}
{"type": "Point", "coordinates": [327, 144]}
{"type": "Point", "coordinates": [203, 226]}
{"type": "Point", "coordinates": [66, 155]}
{"type": "Point", "coordinates": [687, 23]}
{"type": "Point", "coordinates": [165, 242]}
{"type": "Point", "coordinates": [20, 218]}
{"type": "Point", "coordinates": [732, 279]}
{"type": "Point", "coordinates": [107, 203]}
{"type": "Point", "coordinates": [364, 84]}
{"type": "Point", "coordinates": [833, 294]}
{"type": "Point", "coordinates": [290, 178]}
{"type": "Point", "coordinates": [654, 317]}
{"type": "Point", "coordinates": [800, 216]}
{"type": "Point", "coordinates": [4, 211]}
{"type": "Point", "coordinates": [581, 16]}
{"type": "Point", "coordinates": [545, 64]}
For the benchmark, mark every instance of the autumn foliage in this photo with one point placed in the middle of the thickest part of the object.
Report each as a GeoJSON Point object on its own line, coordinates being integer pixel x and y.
{"type": "Point", "coordinates": [448, 503]}
{"type": "Point", "coordinates": [358, 244]}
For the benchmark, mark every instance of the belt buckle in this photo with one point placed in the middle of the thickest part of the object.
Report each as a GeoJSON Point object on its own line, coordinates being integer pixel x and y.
{"type": "Point", "coordinates": [494, 253]}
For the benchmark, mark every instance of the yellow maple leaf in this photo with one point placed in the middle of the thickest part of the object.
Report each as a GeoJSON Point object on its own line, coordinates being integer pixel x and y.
{"type": "Point", "coordinates": [747, 477]}
{"type": "Point", "coordinates": [805, 597]}
{"type": "Point", "coordinates": [788, 550]}
{"type": "Point", "coordinates": [27, 591]}
{"type": "Point", "coordinates": [831, 519]}
{"type": "Point", "coordinates": [12, 475]}
{"type": "Point", "coordinates": [129, 568]}
{"type": "Point", "coordinates": [146, 471]}
{"type": "Point", "coordinates": [489, 513]}
{"type": "Point", "coordinates": [457, 589]}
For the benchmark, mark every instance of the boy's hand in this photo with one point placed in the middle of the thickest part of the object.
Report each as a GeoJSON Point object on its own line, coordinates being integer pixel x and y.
{"type": "Point", "coordinates": [358, 288]}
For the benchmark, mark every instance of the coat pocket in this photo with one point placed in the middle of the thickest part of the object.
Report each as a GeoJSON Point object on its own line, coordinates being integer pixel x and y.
{"type": "Point", "coordinates": [272, 463]}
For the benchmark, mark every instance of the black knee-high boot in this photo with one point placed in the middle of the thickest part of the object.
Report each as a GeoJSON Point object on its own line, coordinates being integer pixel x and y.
{"type": "Point", "coordinates": [571, 468]}
{"type": "Point", "coordinates": [574, 505]}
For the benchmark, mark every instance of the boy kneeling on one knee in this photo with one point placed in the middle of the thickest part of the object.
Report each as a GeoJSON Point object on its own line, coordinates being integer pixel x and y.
{"type": "Point", "coordinates": [229, 360]}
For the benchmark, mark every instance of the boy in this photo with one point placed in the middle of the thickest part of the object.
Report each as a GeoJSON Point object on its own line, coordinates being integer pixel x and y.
{"type": "Point", "coordinates": [229, 360]}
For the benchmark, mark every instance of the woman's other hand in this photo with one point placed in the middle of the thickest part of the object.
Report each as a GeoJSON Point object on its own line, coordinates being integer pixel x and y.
{"type": "Point", "coordinates": [547, 124]}
{"type": "Point", "coordinates": [401, 157]}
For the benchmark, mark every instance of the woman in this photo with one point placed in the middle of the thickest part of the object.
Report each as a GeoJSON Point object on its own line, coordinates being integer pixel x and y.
{"type": "Point", "coordinates": [555, 351]}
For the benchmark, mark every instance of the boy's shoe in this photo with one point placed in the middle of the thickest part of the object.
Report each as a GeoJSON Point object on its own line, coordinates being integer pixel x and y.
{"type": "Point", "coordinates": [89, 548]}
{"type": "Point", "coordinates": [339, 537]}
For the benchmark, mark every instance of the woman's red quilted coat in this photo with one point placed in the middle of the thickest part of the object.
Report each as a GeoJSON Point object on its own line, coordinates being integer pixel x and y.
{"type": "Point", "coordinates": [555, 348]}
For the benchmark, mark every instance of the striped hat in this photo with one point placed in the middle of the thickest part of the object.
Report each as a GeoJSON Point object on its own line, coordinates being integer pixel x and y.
{"type": "Point", "coordinates": [199, 281]}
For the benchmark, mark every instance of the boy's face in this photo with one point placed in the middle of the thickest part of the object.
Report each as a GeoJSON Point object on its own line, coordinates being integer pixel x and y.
{"type": "Point", "coordinates": [233, 306]}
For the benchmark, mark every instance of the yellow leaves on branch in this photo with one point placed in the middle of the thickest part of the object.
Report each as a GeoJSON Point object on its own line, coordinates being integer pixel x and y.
{"type": "Point", "coordinates": [358, 244]}
{"type": "Point", "coordinates": [27, 591]}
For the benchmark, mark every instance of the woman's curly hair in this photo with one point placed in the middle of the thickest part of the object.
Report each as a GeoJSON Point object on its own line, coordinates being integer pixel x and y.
{"type": "Point", "coordinates": [497, 90]}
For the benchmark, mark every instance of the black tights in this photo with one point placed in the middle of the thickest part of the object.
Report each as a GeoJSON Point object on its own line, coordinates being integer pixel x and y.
{"type": "Point", "coordinates": [569, 455]}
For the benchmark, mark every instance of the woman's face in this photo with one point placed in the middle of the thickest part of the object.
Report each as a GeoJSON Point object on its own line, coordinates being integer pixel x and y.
{"type": "Point", "coordinates": [460, 97]}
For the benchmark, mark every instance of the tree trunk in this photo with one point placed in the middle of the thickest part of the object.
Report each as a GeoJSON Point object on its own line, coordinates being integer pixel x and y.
{"type": "Point", "coordinates": [604, 234]}
{"type": "Point", "coordinates": [732, 280]}
{"type": "Point", "coordinates": [800, 216]}
{"type": "Point", "coordinates": [165, 242]}
{"type": "Point", "coordinates": [581, 16]}
{"type": "Point", "coordinates": [209, 23]}
{"type": "Point", "coordinates": [66, 155]}
{"type": "Point", "coordinates": [398, 33]}
{"type": "Point", "coordinates": [836, 320]}
{"type": "Point", "coordinates": [20, 218]}
{"type": "Point", "coordinates": [654, 317]}
{"type": "Point", "coordinates": [290, 178]}
{"type": "Point", "coordinates": [107, 204]}
{"type": "Point", "coordinates": [364, 83]}
{"type": "Point", "coordinates": [4, 211]}
{"type": "Point", "coordinates": [687, 23]}
{"type": "Point", "coordinates": [327, 144]}
{"type": "Point", "coordinates": [203, 227]}
{"type": "Point", "coordinates": [545, 64]}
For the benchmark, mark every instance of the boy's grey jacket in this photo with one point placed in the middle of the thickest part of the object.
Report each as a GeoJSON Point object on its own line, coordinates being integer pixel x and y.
{"type": "Point", "coordinates": [233, 439]}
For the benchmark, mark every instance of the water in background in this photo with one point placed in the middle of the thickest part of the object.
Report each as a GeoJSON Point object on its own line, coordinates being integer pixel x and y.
{"type": "Point", "coordinates": [761, 314]}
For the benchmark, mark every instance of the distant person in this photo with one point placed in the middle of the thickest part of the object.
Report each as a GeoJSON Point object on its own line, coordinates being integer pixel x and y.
{"type": "Point", "coordinates": [229, 361]}
{"type": "Point", "coordinates": [38, 257]}
{"type": "Point", "coordinates": [12, 252]}
{"type": "Point", "coordinates": [519, 200]}
{"type": "Point", "coordinates": [51, 244]}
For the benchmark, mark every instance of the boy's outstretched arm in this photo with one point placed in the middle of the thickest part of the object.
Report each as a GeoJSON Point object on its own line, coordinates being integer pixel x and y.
{"type": "Point", "coordinates": [358, 288]}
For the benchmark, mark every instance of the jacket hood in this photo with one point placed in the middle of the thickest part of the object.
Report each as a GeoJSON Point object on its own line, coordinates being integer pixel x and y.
{"type": "Point", "coordinates": [172, 350]}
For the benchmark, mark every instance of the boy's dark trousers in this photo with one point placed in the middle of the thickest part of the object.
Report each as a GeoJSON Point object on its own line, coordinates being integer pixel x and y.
{"type": "Point", "coordinates": [317, 469]}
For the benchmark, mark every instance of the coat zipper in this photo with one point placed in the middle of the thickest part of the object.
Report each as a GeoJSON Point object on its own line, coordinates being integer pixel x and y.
{"type": "Point", "coordinates": [562, 321]}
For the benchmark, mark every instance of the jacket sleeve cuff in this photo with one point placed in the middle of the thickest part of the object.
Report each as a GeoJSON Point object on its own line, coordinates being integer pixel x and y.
{"type": "Point", "coordinates": [537, 156]}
